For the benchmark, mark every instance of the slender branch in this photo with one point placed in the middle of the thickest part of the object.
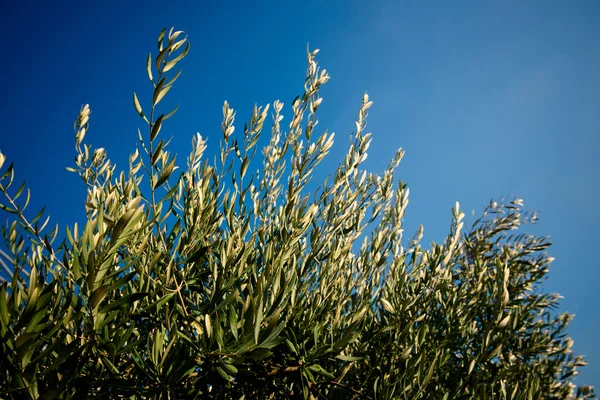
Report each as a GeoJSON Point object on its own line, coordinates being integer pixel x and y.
{"type": "Point", "coordinates": [153, 198]}
{"type": "Point", "coordinates": [341, 385]}
{"type": "Point", "coordinates": [35, 232]}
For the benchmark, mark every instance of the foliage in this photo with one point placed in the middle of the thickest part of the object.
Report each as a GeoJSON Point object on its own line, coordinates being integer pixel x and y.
{"type": "Point", "coordinates": [184, 285]}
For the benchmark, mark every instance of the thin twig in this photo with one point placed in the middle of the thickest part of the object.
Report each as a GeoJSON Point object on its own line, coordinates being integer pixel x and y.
{"type": "Point", "coordinates": [35, 232]}
{"type": "Point", "coordinates": [358, 392]}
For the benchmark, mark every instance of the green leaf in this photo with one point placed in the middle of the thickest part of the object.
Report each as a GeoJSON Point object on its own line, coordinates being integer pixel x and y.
{"type": "Point", "coordinates": [62, 354]}
{"type": "Point", "coordinates": [156, 127]}
{"type": "Point", "coordinates": [233, 320]}
{"type": "Point", "coordinates": [157, 90]}
{"type": "Point", "coordinates": [223, 374]}
{"type": "Point", "coordinates": [9, 171]}
{"type": "Point", "coordinates": [159, 303]}
{"type": "Point", "coordinates": [471, 366]}
{"type": "Point", "coordinates": [51, 347]}
{"type": "Point", "coordinates": [157, 346]}
{"type": "Point", "coordinates": [160, 38]}
{"type": "Point", "coordinates": [7, 209]}
{"type": "Point", "coordinates": [98, 295]}
{"type": "Point", "coordinates": [291, 346]}
{"type": "Point", "coordinates": [149, 67]}
{"type": "Point", "coordinates": [244, 167]}
{"type": "Point", "coordinates": [349, 358]}
{"type": "Point", "coordinates": [165, 174]}
{"type": "Point", "coordinates": [176, 45]}
{"type": "Point", "coordinates": [137, 105]}
{"type": "Point", "coordinates": [123, 338]}
{"type": "Point", "coordinates": [202, 250]}
{"type": "Point", "coordinates": [259, 354]}
{"type": "Point", "coordinates": [3, 306]}
{"type": "Point", "coordinates": [191, 342]}
{"type": "Point", "coordinates": [38, 215]}
{"type": "Point", "coordinates": [169, 194]}
{"type": "Point", "coordinates": [24, 338]}
{"type": "Point", "coordinates": [123, 280]}
{"type": "Point", "coordinates": [169, 115]}
{"type": "Point", "coordinates": [160, 56]}
{"type": "Point", "coordinates": [172, 81]}
{"type": "Point", "coordinates": [109, 365]}
{"type": "Point", "coordinates": [257, 322]}
{"type": "Point", "coordinates": [19, 191]}
{"type": "Point", "coordinates": [122, 302]}
{"type": "Point", "coordinates": [122, 222]}
{"type": "Point", "coordinates": [271, 340]}
{"type": "Point", "coordinates": [172, 63]}
{"type": "Point", "coordinates": [157, 152]}
{"type": "Point", "coordinates": [161, 94]}
{"type": "Point", "coordinates": [168, 66]}
{"type": "Point", "coordinates": [431, 370]}
{"type": "Point", "coordinates": [231, 369]}
{"type": "Point", "coordinates": [27, 349]}
{"type": "Point", "coordinates": [316, 368]}
{"type": "Point", "coordinates": [208, 325]}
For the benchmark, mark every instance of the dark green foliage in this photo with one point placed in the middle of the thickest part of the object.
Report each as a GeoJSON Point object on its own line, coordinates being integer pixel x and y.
{"type": "Point", "coordinates": [217, 283]}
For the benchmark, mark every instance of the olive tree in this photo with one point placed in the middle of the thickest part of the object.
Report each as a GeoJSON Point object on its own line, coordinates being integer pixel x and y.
{"type": "Point", "coordinates": [205, 280]}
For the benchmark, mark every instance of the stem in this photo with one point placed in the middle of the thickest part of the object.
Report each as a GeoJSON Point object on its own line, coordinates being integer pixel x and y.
{"type": "Point", "coordinates": [153, 199]}
{"type": "Point", "coordinates": [36, 234]}
{"type": "Point", "coordinates": [358, 392]}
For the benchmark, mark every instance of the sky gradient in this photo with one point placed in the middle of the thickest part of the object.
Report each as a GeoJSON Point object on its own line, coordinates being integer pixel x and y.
{"type": "Point", "coordinates": [486, 98]}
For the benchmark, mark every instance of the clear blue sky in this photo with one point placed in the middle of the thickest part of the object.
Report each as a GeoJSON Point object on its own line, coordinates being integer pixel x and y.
{"type": "Point", "coordinates": [487, 98]}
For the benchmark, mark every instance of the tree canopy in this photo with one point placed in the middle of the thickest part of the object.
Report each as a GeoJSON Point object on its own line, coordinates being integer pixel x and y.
{"type": "Point", "coordinates": [211, 281]}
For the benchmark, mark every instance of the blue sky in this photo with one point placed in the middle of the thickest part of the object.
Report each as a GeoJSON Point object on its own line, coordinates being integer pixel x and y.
{"type": "Point", "coordinates": [487, 99]}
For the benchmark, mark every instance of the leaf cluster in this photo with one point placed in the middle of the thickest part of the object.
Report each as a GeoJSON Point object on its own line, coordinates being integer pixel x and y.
{"type": "Point", "coordinates": [215, 282]}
